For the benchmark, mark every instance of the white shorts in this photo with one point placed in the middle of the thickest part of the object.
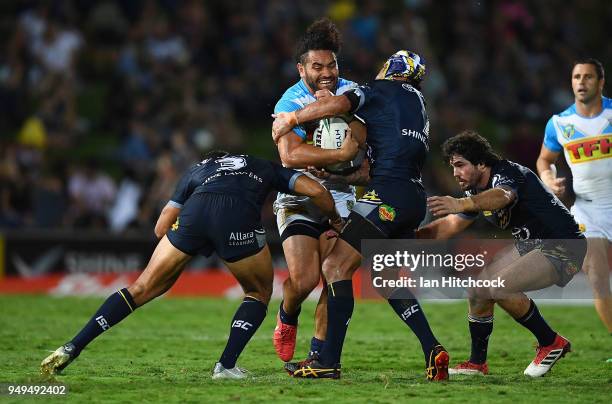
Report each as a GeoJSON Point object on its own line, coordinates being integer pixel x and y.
{"type": "Point", "coordinates": [308, 212]}
{"type": "Point", "coordinates": [594, 221]}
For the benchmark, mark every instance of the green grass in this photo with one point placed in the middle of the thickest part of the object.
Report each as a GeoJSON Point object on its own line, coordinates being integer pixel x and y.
{"type": "Point", "coordinates": [164, 352]}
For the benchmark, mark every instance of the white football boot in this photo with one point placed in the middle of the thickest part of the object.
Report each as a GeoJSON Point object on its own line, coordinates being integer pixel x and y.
{"type": "Point", "coordinates": [219, 372]}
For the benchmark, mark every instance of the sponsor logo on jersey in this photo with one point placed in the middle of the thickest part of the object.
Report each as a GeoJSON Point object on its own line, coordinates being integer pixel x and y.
{"type": "Point", "coordinates": [370, 196]}
{"type": "Point", "coordinates": [386, 213]}
{"type": "Point", "coordinates": [589, 149]}
{"type": "Point", "coordinates": [175, 225]}
{"type": "Point", "coordinates": [417, 135]}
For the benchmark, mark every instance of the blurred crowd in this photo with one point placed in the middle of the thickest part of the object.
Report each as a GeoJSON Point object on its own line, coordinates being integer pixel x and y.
{"type": "Point", "coordinates": [105, 103]}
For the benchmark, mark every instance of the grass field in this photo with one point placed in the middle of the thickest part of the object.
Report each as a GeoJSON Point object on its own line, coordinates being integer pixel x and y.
{"type": "Point", "coordinates": [164, 352]}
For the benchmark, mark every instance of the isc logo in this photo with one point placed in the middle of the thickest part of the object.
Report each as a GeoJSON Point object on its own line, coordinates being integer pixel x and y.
{"type": "Point", "coordinates": [410, 311]}
{"type": "Point", "coordinates": [103, 323]}
{"type": "Point", "coordinates": [242, 324]}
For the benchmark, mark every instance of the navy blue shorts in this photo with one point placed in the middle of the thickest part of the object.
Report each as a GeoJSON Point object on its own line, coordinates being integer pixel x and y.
{"type": "Point", "coordinates": [374, 218]}
{"type": "Point", "coordinates": [225, 224]}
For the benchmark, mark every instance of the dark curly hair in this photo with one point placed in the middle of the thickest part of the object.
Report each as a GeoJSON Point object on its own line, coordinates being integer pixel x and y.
{"type": "Point", "coordinates": [472, 147]}
{"type": "Point", "coordinates": [320, 35]}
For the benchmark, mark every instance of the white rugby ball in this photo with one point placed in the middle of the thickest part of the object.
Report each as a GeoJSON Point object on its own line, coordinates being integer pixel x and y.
{"type": "Point", "coordinates": [330, 135]}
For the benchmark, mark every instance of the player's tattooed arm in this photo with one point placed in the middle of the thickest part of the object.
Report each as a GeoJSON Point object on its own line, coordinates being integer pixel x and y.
{"type": "Point", "coordinates": [359, 177]}
{"type": "Point", "coordinates": [295, 153]}
{"type": "Point", "coordinates": [492, 199]}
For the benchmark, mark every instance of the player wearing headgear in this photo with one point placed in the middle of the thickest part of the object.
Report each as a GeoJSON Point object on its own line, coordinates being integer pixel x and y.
{"type": "Point", "coordinates": [549, 248]}
{"type": "Point", "coordinates": [393, 110]}
{"type": "Point", "coordinates": [584, 133]}
{"type": "Point", "coordinates": [216, 207]}
{"type": "Point", "coordinates": [301, 225]}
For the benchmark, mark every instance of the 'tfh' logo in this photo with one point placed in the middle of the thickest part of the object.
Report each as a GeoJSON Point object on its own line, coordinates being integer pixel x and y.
{"type": "Point", "coordinates": [245, 325]}
{"type": "Point", "coordinates": [410, 311]}
{"type": "Point", "coordinates": [103, 323]}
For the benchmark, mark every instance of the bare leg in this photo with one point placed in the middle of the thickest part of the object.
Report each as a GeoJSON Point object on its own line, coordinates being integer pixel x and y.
{"type": "Point", "coordinates": [479, 301]}
{"type": "Point", "coordinates": [532, 271]}
{"type": "Point", "coordinates": [321, 315]}
{"type": "Point", "coordinates": [163, 269]}
{"type": "Point", "coordinates": [303, 262]}
{"type": "Point", "coordinates": [596, 267]}
{"type": "Point", "coordinates": [255, 275]}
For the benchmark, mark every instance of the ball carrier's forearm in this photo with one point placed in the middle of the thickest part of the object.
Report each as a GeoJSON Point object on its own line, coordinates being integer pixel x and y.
{"type": "Point", "coordinates": [296, 154]}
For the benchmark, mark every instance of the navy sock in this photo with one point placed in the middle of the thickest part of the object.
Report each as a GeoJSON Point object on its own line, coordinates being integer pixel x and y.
{"type": "Point", "coordinates": [480, 330]}
{"type": "Point", "coordinates": [535, 323]}
{"type": "Point", "coordinates": [246, 321]}
{"type": "Point", "coordinates": [340, 304]}
{"type": "Point", "coordinates": [316, 345]}
{"type": "Point", "coordinates": [117, 307]}
{"type": "Point", "coordinates": [286, 318]}
{"type": "Point", "coordinates": [411, 313]}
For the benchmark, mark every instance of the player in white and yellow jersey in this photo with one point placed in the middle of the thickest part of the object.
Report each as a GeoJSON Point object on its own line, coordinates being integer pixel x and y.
{"type": "Point", "coordinates": [584, 133]}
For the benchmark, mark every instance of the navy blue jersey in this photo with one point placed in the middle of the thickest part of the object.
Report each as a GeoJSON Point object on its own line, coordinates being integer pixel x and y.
{"type": "Point", "coordinates": [536, 213]}
{"type": "Point", "coordinates": [398, 129]}
{"type": "Point", "coordinates": [242, 176]}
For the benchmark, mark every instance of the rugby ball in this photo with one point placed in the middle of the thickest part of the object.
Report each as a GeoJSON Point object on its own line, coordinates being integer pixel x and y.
{"type": "Point", "coordinates": [330, 135]}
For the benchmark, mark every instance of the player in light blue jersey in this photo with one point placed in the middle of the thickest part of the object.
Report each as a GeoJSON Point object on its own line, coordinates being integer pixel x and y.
{"type": "Point", "coordinates": [301, 226]}
{"type": "Point", "coordinates": [583, 132]}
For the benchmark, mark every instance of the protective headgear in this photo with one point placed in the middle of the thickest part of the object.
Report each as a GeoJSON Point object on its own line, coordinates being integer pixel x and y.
{"type": "Point", "coordinates": [405, 64]}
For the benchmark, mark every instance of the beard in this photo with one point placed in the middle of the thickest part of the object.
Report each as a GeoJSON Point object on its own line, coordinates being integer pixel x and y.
{"type": "Point", "coordinates": [314, 85]}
